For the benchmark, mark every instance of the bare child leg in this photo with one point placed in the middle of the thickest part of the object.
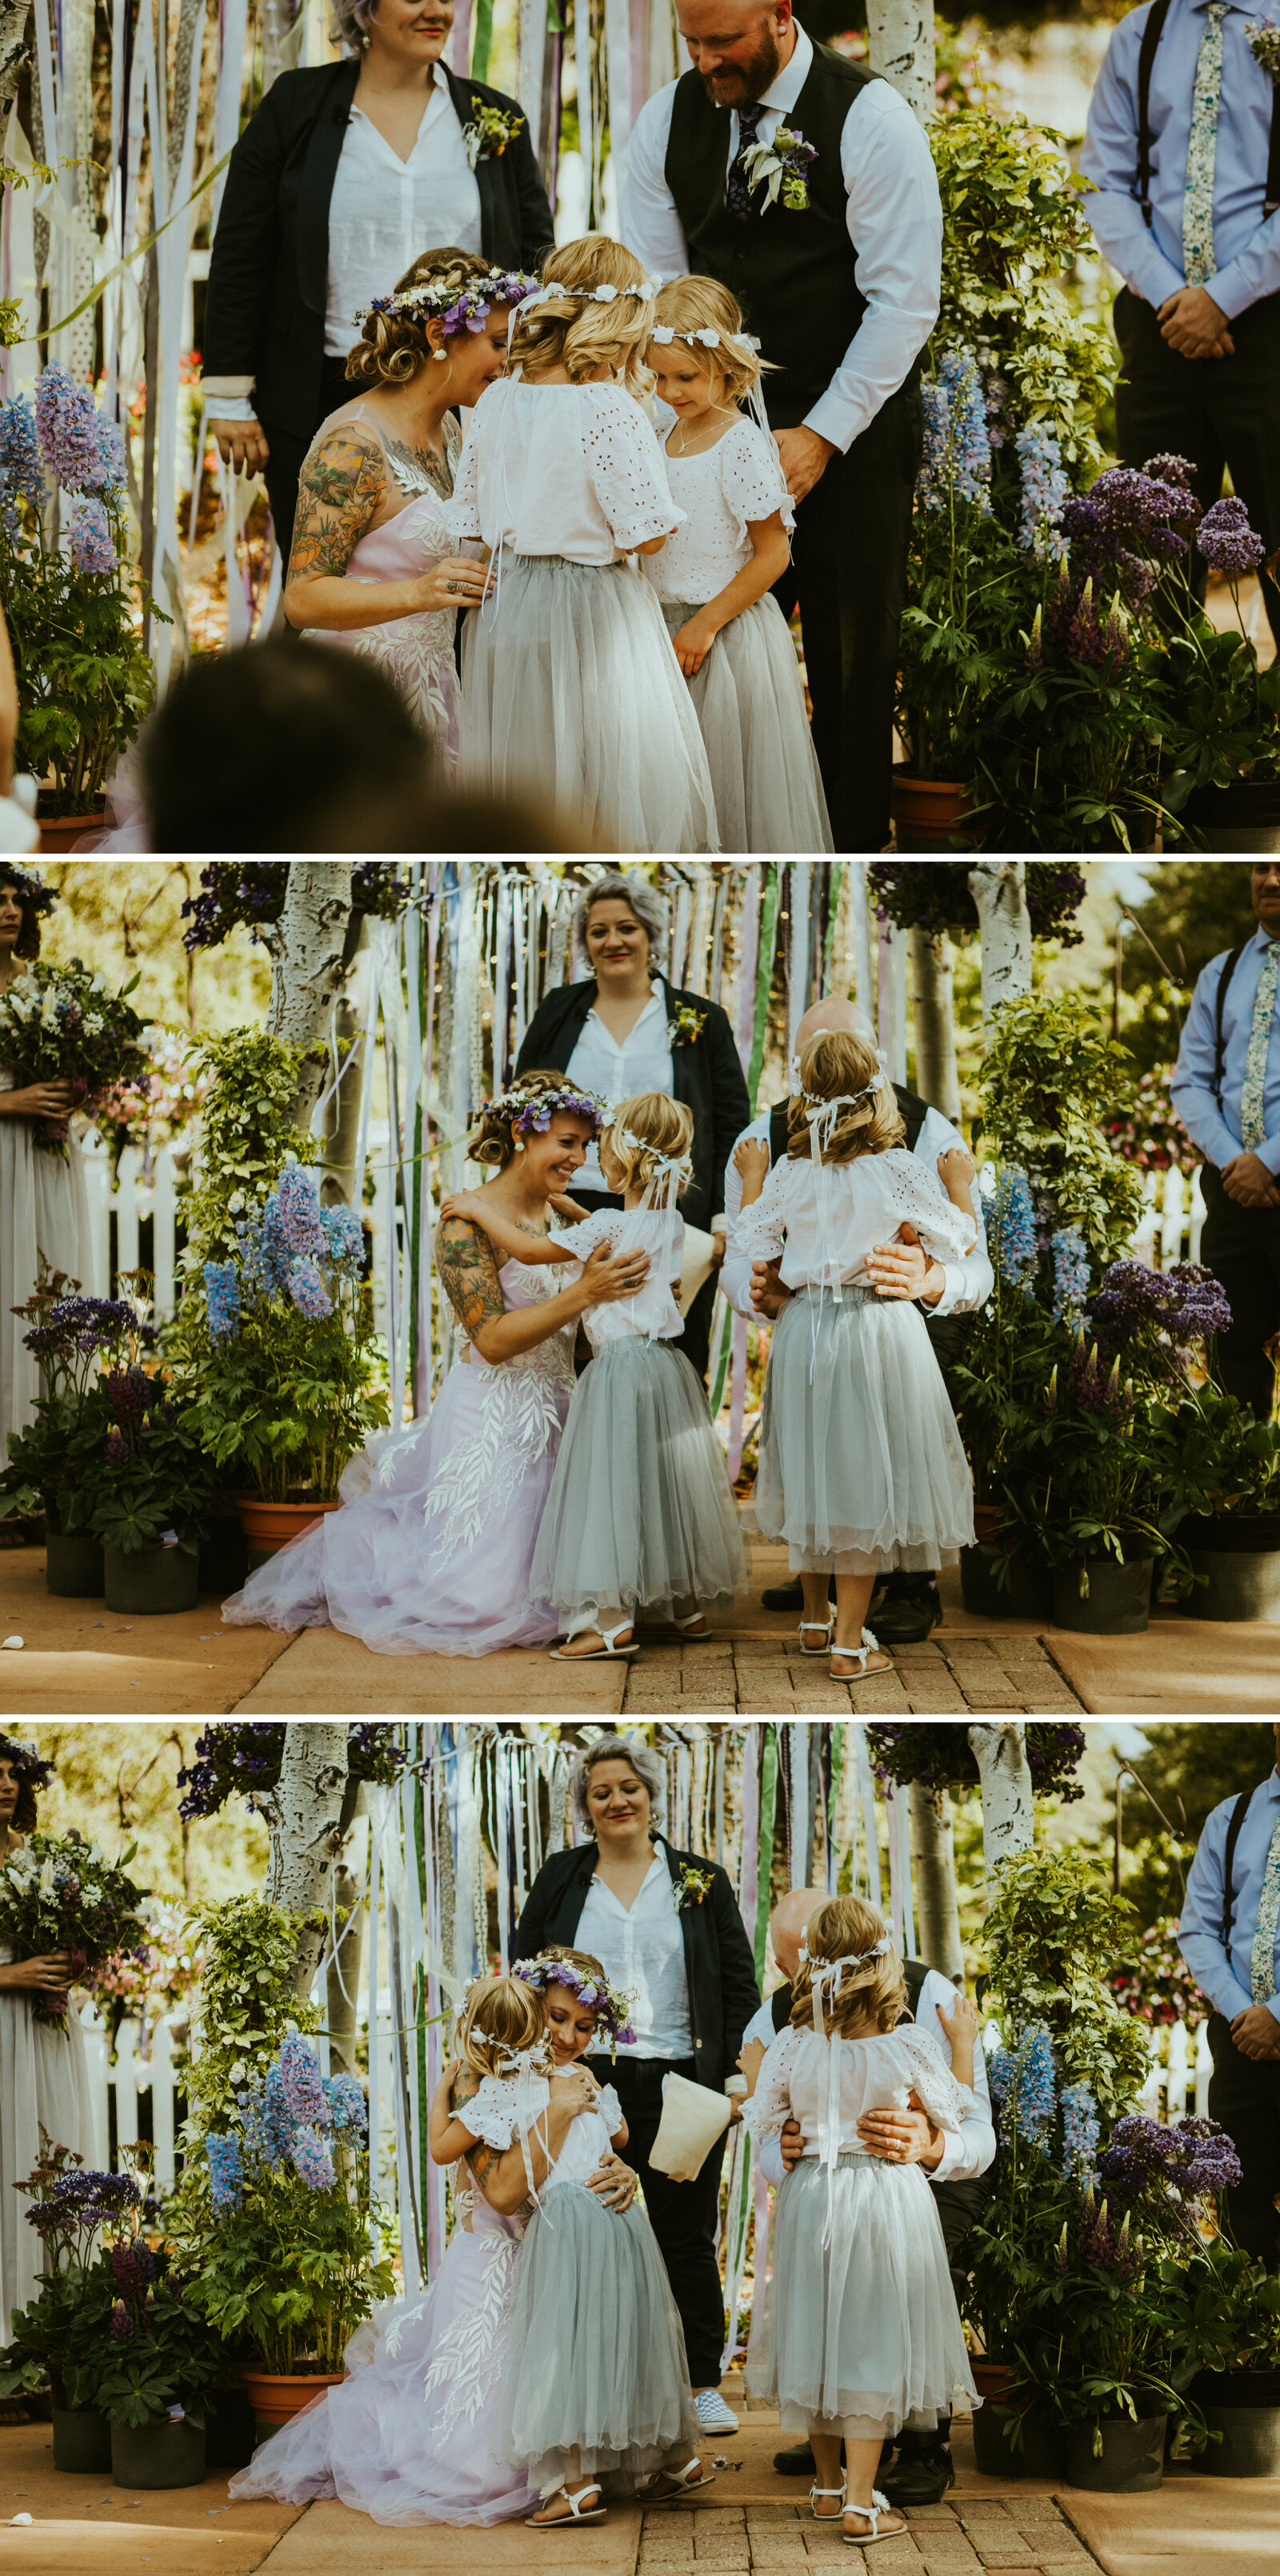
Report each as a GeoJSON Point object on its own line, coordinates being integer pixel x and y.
{"type": "Point", "coordinates": [862, 2459]}
{"type": "Point", "coordinates": [853, 1599]}
{"type": "Point", "coordinates": [824, 2442]}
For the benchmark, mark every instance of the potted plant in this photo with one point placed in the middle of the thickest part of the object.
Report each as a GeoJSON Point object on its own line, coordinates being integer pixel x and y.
{"type": "Point", "coordinates": [79, 1341]}
{"type": "Point", "coordinates": [84, 680]}
{"type": "Point", "coordinates": [156, 2363]}
{"type": "Point", "coordinates": [149, 1487]}
{"type": "Point", "coordinates": [284, 2256]}
{"type": "Point", "coordinates": [1229, 2340]}
{"type": "Point", "coordinates": [1223, 743]}
{"type": "Point", "coordinates": [1232, 1465]}
{"type": "Point", "coordinates": [53, 2339]}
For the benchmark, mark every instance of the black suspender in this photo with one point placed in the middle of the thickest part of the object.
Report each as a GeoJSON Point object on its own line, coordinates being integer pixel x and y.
{"type": "Point", "coordinates": [1229, 965]}
{"type": "Point", "coordinates": [777, 1131]}
{"type": "Point", "coordinates": [1151, 35]}
{"type": "Point", "coordinates": [1238, 1814]}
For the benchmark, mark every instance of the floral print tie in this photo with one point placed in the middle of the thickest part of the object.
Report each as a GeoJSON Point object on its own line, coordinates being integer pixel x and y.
{"type": "Point", "coordinates": [1263, 1960]}
{"type": "Point", "coordinates": [1198, 260]}
{"type": "Point", "coordinates": [1252, 1125]}
{"type": "Point", "coordinates": [738, 192]}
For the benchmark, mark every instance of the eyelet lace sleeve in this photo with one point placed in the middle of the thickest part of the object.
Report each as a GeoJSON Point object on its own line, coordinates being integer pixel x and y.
{"type": "Point", "coordinates": [918, 1194]}
{"type": "Point", "coordinates": [609, 2108]}
{"type": "Point", "coordinates": [464, 508]}
{"type": "Point", "coordinates": [578, 1242]}
{"type": "Point", "coordinates": [751, 477]}
{"type": "Point", "coordinates": [757, 1233]}
{"type": "Point", "coordinates": [769, 2109]}
{"type": "Point", "coordinates": [491, 2112]}
{"type": "Point", "coordinates": [932, 2080]}
{"type": "Point", "coordinates": [624, 462]}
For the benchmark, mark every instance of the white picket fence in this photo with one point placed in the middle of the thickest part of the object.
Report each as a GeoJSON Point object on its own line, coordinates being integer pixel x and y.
{"type": "Point", "coordinates": [1179, 2072]}
{"type": "Point", "coordinates": [1169, 1228]}
{"type": "Point", "coordinates": [132, 1197]}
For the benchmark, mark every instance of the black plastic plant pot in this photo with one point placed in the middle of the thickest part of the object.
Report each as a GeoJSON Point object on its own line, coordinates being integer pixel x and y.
{"type": "Point", "coordinates": [1039, 2451]}
{"type": "Point", "coordinates": [81, 2442]}
{"type": "Point", "coordinates": [73, 1565]}
{"type": "Point", "coordinates": [148, 1581]}
{"type": "Point", "coordinates": [224, 1563]}
{"type": "Point", "coordinates": [1028, 1593]}
{"type": "Point", "coordinates": [1131, 2460]}
{"type": "Point", "coordinates": [230, 2433]}
{"type": "Point", "coordinates": [158, 2454]}
{"type": "Point", "coordinates": [1117, 1603]}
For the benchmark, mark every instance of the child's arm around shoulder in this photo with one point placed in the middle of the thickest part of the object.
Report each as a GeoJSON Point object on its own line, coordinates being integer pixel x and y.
{"type": "Point", "coordinates": [510, 1238]}
{"type": "Point", "coordinates": [446, 2136]}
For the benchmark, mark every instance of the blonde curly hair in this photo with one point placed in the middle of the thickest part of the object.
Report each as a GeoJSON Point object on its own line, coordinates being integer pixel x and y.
{"type": "Point", "coordinates": [497, 2013]}
{"type": "Point", "coordinates": [393, 348]}
{"type": "Point", "coordinates": [701, 304]}
{"type": "Point", "coordinates": [869, 1998]}
{"type": "Point", "coordinates": [835, 1062]}
{"type": "Point", "coordinates": [572, 332]}
{"type": "Point", "coordinates": [665, 1128]}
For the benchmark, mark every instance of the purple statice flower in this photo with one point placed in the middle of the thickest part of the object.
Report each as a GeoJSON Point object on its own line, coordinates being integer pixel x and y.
{"type": "Point", "coordinates": [21, 466]}
{"type": "Point", "coordinates": [222, 1294]}
{"type": "Point", "coordinates": [1226, 540]}
{"type": "Point", "coordinates": [311, 2158]}
{"type": "Point", "coordinates": [226, 2170]}
{"type": "Point", "coordinates": [1163, 1312]}
{"type": "Point", "coordinates": [83, 452]}
{"type": "Point", "coordinates": [299, 1212]}
{"type": "Point", "coordinates": [1070, 1255]}
{"type": "Point", "coordinates": [1080, 2130]}
{"type": "Point", "coordinates": [347, 2109]}
{"type": "Point", "coordinates": [1167, 468]}
{"type": "Point", "coordinates": [1164, 2175]}
{"type": "Point", "coordinates": [308, 1291]}
{"type": "Point", "coordinates": [301, 2082]}
{"type": "Point", "coordinates": [90, 543]}
{"type": "Point", "coordinates": [1013, 1230]}
{"type": "Point", "coordinates": [344, 1241]}
{"type": "Point", "coordinates": [1046, 488]}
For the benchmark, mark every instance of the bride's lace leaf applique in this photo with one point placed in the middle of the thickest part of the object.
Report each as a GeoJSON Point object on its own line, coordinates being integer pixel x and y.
{"type": "Point", "coordinates": [479, 1479]}
{"type": "Point", "coordinates": [469, 2354]}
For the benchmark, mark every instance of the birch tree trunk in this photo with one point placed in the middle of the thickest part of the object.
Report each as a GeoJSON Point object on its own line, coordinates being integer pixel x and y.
{"type": "Point", "coordinates": [933, 1872]}
{"type": "Point", "coordinates": [308, 951]}
{"type": "Point", "coordinates": [304, 1817]}
{"type": "Point", "coordinates": [901, 50]}
{"type": "Point", "coordinates": [344, 1972]}
{"type": "Point", "coordinates": [15, 55]}
{"type": "Point", "coordinates": [937, 1075]}
{"type": "Point", "coordinates": [1000, 1752]}
{"type": "Point", "coordinates": [999, 889]}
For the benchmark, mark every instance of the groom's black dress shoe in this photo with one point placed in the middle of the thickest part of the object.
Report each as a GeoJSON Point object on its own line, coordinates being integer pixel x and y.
{"type": "Point", "coordinates": [919, 2476]}
{"type": "Point", "coordinates": [789, 1596]}
{"type": "Point", "coordinates": [799, 2462]}
{"type": "Point", "coordinates": [906, 1618]}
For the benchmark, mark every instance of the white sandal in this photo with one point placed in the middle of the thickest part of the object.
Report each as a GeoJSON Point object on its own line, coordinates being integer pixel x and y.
{"type": "Point", "coordinates": [605, 1653]}
{"type": "Point", "coordinates": [870, 1646]}
{"type": "Point", "coordinates": [822, 1628]}
{"type": "Point", "coordinates": [693, 1630]}
{"type": "Point", "coordinates": [669, 2483]}
{"type": "Point", "coordinates": [562, 2521]}
{"type": "Point", "coordinates": [814, 2493]}
{"type": "Point", "coordinates": [871, 2513]}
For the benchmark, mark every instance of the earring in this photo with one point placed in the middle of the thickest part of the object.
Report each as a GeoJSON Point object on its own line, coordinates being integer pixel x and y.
{"type": "Point", "coordinates": [439, 356]}
{"type": "Point", "coordinates": [519, 1145]}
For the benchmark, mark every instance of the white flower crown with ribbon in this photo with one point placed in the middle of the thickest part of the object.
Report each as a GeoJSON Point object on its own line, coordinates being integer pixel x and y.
{"type": "Point", "coordinates": [665, 334]}
{"type": "Point", "coordinates": [548, 294]}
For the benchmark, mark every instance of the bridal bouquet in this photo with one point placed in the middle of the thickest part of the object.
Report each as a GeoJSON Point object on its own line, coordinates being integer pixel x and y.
{"type": "Point", "coordinates": [61, 1023]}
{"type": "Point", "coordinates": [62, 1894]}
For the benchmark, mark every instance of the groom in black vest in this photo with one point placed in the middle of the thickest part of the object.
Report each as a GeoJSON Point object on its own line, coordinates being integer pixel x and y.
{"type": "Point", "coordinates": [842, 295]}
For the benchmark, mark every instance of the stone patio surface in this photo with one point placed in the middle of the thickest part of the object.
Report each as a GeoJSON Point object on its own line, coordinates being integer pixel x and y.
{"type": "Point", "coordinates": [79, 1659]}
{"type": "Point", "coordinates": [753, 2519]}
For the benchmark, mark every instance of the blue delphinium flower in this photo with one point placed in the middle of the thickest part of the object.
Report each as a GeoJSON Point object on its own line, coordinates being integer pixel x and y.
{"type": "Point", "coordinates": [348, 2111]}
{"type": "Point", "coordinates": [1014, 1230]}
{"type": "Point", "coordinates": [21, 466]}
{"type": "Point", "coordinates": [265, 1256]}
{"type": "Point", "coordinates": [931, 481]}
{"type": "Point", "coordinates": [957, 440]}
{"type": "Point", "coordinates": [83, 452]}
{"type": "Point", "coordinates": [301, 2082]}
{"type": "Point", "coordinates": [90, 543]}
{"type": "Point", "coordinates": [1046, 488]}
{"type": "Point", "coordinates": [299, 1212]}
{"type": "Point", "coordinates": [308, 1291]}
{"type": "Point", "coordinates": [1070, 1273]}
{"type": "Point", "coordinates": [222, 1292]}
{"type": "Point", "coordinates": [226, 2170]}
{"type": "Point", "coordinates": [1023, 2084]}
{"type": "Point", "coordinates": [1081, 2129]}
{"type": "Point", "coordinates": [344, 1240]}
{"type": "Point", "coordinates": [312, 2160]}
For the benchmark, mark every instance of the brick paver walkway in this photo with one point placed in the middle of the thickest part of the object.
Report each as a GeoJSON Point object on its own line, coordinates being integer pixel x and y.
{"type": "Point", "coordinates": [1028, 2534]}
{"type": "Point", "coordinates": [762, 1676]}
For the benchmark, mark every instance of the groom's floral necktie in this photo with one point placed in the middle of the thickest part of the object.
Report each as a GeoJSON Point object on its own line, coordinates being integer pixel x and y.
{"type": "Point", "coordinates": [1198, 261]}
{"type": "Point", "coordinates": [1263, 1959]}
{"type": "Point", "coordinates": [738, 193]}
{"type": "Point", "coordinates": [1253, 1131]}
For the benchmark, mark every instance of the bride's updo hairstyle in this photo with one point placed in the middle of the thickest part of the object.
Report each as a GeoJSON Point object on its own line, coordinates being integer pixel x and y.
{"type": "Point", "coordinates": [598, 321]}
{"type": "Point", "coordinates": [498, 2013]}
{"type": "Point", "coordinates": [868, 1120]}
{"type": "Point", "coordinates": [526, 1109]}
{"type": "Point", "coordinates": [393, 346]}
{"type": "Point", "coordinates": [871, 1996]}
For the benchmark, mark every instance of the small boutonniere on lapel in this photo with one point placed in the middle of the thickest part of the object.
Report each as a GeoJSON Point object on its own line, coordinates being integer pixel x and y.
{"type": "Point", "coordinates": [490, 131]}
{"type": "Point", "coordinates": [687, 1026]}
{"type": "Point", "coordinates": [782, 169]}
{"type": "Point", "coordinates": [690, 1887]}
{"type": "Point", "coordinates": [1264, 45]}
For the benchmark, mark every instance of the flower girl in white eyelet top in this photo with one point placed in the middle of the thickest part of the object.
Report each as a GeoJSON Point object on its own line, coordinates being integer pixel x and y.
{"type": "Point", "coordinates": [714, 576]}
{"type": "Point", "coordinates": [640, 1513]}
{"type": "Point", "coordinates": [857, 2333]}
{"type": "Point", "coordinates": [569, 684]}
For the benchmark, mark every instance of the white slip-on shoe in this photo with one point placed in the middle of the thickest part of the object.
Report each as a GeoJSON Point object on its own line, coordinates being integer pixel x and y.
{"type": "Point", "coordinates": [712, 2413]}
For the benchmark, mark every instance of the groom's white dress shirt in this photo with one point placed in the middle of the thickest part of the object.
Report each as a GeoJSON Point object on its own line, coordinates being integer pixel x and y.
{"type": "Point", "coordinates": [894, 219]}
{"type": "Point", "coordinates": [969, 1280]}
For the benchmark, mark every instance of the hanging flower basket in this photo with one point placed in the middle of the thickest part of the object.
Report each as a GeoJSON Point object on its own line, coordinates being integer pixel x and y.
{"type": "Point", "coordinates": [940, 1756]}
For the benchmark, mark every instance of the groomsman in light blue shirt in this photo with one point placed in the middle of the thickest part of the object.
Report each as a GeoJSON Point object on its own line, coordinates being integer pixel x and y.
{"type": "Point", "coordinates": [1183, 146]}
{"type": "Point", "coordinates": [1226, 1090]}
{"type": "Point", "coordinates": [1229, 1936]}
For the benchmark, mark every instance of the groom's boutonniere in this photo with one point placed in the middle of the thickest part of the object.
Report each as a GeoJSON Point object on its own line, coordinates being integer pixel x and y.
{"type": "Point", "coordinates": [690, 1887]}
{"type": "Point", "coordinates": [490, 131]}
{"type": "Point", "coordinates": [1264, 45]}
{"type": "Point", "coordinates": [687, 1026]}
{"type": "Point", "coordinates": [782, 168]}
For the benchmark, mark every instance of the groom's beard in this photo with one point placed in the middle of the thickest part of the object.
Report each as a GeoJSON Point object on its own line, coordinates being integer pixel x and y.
{"type": "Point", "coordinates": [738, 84]}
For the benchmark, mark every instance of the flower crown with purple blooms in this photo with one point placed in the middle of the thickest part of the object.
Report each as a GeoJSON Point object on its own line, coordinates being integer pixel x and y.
{"type": "Point", "coordinates": [29, 884]}
{"type": "Point", "coordinates": [611, 2006]}
{"type": "Point", "coordinates": [531, 1112]}
{"type": "Point", "coordinates": [26, 1763]}
{"type": "Point", "coordinates": [468, 310]}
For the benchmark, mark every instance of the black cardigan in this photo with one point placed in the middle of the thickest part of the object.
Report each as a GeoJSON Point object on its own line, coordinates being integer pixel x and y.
{"type": "Point", "coordinates": [268, 272]}
{"type": "Point", "coordinates": [705, 1072]}
{"type": "Point", "coordinates": [718, 1966]}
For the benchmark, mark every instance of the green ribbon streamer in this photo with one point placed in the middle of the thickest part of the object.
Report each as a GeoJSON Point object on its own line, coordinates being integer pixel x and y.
{"type": "Point", "coordinates": [422, 1786]}
{"type": "Point", "coordinates": [722, 1363]}
{"type": "Point", "coordinates": [138, 252]}
{"type": "Point", "coordinates": [833, 1794]}
{"type": "Point", "coordinates": [833, 907]}
{"type": "Point", "coordinates": [764, 1879]}
{"type": "Point", "coordinates": [764, 979]}
{"type": "Point", "coordinates": [482, 40]}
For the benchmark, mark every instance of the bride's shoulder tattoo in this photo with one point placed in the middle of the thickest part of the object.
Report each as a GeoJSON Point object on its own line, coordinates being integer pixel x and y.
{"type": "Point", "coordinates": [339, 489]}
{"type": "Point", "coordinates": [468, 1270]}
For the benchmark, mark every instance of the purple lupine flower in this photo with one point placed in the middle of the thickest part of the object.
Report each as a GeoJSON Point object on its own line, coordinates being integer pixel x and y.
{"type": "Point", "coordinates": [300, 1213]}
{"type": "Point", "coordinates": [1226, 540]}
{"type": "Point", "coordinates": [301, 2083]}
{"type": "Point", "coordinates": [1046, 487]}
{"type": "Point", "coordinates": [90, 543]}
{"type": "Point", "coordinates": [312, 2160]}
{"type": "Point", "coordinates": [134, 2266]}
{"type": "Point", "coordinates": [121, 2326]}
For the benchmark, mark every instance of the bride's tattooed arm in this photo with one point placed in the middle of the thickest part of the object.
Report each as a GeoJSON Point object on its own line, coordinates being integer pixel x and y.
{"type": "Point", "coordinates": [339, 489]}
{"type": "Point", "coordinates": [469, 1274]}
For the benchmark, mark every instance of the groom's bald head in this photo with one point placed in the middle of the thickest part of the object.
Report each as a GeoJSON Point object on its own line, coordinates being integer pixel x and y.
{"type": "Point", "coordinates": [738, 46]}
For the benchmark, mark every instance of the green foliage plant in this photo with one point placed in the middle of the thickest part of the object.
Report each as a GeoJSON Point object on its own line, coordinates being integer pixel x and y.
{"type": "Point", "coordinates": [247, 1135]}
{"type": "Point", "coordinates": [248, 2006]}
{"type": "Point", "coordinates": [1049, 1077]}
{"type": "Point", "coordinates": [1054, 1936]}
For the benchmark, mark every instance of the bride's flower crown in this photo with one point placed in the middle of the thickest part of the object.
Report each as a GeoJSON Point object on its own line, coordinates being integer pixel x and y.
{"type": "Point", "coordinates": [531, 1112]}
{"type": "Point", "coordinates": [611, 2006]}
{"type": "Point", "coordinates": [468, 309]}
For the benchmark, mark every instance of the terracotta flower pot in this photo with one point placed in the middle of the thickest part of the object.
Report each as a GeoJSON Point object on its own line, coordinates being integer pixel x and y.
{"type": "Point", "coordinates": [990, 2378]}
{"type": "Point", "coordinates": [276, 2396]}
{"type": "Point", "coordinates": [59, 833]}
{"type": "Point", "coordinates": [927, 812]}
{"type": "Point", "coordinates": [270, 1526]}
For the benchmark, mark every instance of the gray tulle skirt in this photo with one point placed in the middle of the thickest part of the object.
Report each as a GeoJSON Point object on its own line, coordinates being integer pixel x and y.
{"type": "Point", "coordinates": [570, 690]}
{"type": "Point", "coordinates": [749, 700]}
{"type": "Point", "coordinates": [640, 1511]}
{"type": "Point", "coordinates": [861, 1461]}
{"type": "Point", "coordinates": [596, 2361]}
{"type": "Point", "coordinates": [865, 2332]}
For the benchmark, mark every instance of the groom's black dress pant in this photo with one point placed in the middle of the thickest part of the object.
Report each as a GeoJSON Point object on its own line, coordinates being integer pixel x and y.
{"type": "Point", "coordinates": [1214, 411]}
{"type": "Point", "coordinates": [848, 575]}
{"type": "Point", "coordinates": [1244, 2095]}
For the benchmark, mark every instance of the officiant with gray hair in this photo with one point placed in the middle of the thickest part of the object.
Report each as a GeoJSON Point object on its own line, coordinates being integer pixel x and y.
{"type": "Point", "coordinates": [804, 184]}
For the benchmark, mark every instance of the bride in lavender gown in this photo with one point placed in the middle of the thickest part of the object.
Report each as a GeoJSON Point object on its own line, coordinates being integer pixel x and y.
{"type": "Point", "coordinates": [431, 1551]}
